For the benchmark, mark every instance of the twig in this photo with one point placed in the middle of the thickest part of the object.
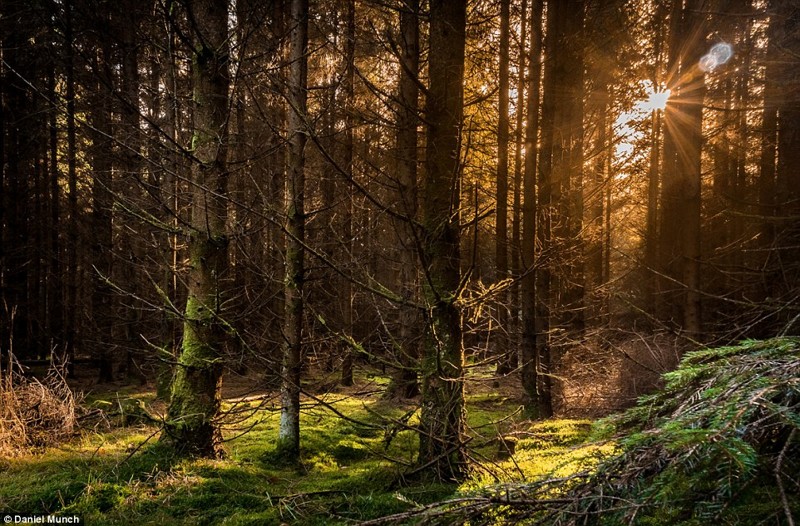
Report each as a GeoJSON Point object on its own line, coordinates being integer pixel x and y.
{"type": "Point", "coordinates": [778, 469]}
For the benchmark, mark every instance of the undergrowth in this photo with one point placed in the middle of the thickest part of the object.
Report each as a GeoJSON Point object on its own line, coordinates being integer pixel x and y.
{"type": "Point", "coordinates": [34, 413]}
{"type": "Point", "coordinates": [719, 444]}
{"type": "Point", "coordinates": [352, 469]}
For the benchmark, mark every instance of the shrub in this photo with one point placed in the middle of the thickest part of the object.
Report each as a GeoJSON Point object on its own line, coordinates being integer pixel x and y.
{"type": "Point", "coordinates": [718, 445]}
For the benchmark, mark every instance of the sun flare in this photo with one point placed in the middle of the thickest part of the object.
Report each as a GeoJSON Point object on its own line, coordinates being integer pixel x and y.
{"type": "Point", "coordinates": [656, 100]}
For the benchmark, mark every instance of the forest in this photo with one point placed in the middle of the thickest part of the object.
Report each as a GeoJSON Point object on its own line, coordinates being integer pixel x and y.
{"type": "Point", "coordinates": [400, 261]}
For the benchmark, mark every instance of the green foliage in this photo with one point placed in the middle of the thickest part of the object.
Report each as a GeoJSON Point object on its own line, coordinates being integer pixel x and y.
{"type": "Point", "coordinates": [712, 438]}
{"type": "Point", "coordinates": [346, 474]}
{"type": "Point", "coordinates": [718, 445]}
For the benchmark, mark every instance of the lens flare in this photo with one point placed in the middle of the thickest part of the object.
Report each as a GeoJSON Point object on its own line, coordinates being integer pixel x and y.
{"type": "Point", "coordinates": [719, 55]}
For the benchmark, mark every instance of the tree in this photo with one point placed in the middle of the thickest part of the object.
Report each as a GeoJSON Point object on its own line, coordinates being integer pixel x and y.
{"type": "Point", "coordinates": [679, 235]}
{"type": "Point", "coordinates": [506, 358]}
{"type": "Point", "coordinates": [404, 380]}
{"type": "Point", "coordinates": [346, 296]}
{"type": "Point", "coordinates": [441, 444]}
{"type": "Point", "coordinates": [289, 431]}
{"type": "Point", "coordinates": [102, 159]}
{"type": "Point", "coordinates": [787, 169]}
{"type": "Point", "coordinates": [532, 316]}
{"type": "Point", "coordinates": [195, 399]}
{"type": "Point", "coordinates": [559, 199]}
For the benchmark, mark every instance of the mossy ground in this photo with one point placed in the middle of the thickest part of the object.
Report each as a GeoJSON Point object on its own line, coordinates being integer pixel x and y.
{"type": "Point", "coordinates": [350, 472]}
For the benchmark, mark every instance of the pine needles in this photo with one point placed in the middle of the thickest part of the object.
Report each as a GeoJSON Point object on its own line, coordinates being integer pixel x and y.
{"type": "Point", "coordinates": [717, 445]}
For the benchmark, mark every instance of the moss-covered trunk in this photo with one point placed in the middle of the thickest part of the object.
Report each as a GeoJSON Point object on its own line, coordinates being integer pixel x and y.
{"type": "Point", "coordinates": [195, 396]}
{"type": "Point", "coordinates": [441, 449]}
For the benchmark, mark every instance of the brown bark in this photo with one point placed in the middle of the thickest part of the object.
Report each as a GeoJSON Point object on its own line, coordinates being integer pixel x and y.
{"type": "Point", "coordinates": [679, 236]}
{"type": "Point", "coordinates": [441, 446]}
{"type": "Point", "coordinates": [195, 400]}
{"type": "Point", "coordinates": [404, 379]}
{"type": "Point", "coordinates": [289, 432]}
{"type": "Point", "coordinates": [506, 359]}
{"type": "Point", "coordinates": [531, 298]}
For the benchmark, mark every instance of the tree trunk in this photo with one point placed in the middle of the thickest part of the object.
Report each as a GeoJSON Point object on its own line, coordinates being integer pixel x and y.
{"type": "Point", "coordinates": [346, 293]}
{"type": "Point", "coordinates": [195, 400]}
{"type": "Point", "coordinates": [289, 433]}
{"type": "Point", "coordinates": [565, 174]}
{"type": "Point", "coordinates": [516, 222]}
{"type": "Point", "coordinates": [531, 312]}
{"type": "Point", "coordinates": [102, 237]}
{"type": "Point", "coordinates": [506, 359]}
{"type": "Point", "coordinates": [404, 379]}
{"type": "Point", "coordinates": [787, 171]}
{"type": "Point", "coordinates": [679, 237]}
{"type": "Point", "coordinates": [601, 71]}
{"type": "Point", "coordinates": [71, 318]}
{"type": "Point", "coordinates": [441, 446]}
{"type": "Point", "coordinates": [129, 319]}
{"type": "Point", "coordinates": [55, 299]}
{"type": "Point", "coordinates": [654, 179]}
{"type": "Point", "coordinates": [768, 162]}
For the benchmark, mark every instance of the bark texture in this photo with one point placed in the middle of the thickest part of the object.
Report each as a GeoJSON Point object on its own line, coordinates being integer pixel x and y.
{"type": "Point", "coordinates": [195, 394]}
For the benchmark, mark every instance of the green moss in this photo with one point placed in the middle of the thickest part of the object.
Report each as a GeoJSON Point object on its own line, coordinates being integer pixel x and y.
{"type": "Point", "coordinates": [345, 476]}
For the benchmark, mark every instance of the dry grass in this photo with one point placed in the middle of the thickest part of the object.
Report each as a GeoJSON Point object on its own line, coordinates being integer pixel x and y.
{"type": "Point", "coordinates": [35, 413]}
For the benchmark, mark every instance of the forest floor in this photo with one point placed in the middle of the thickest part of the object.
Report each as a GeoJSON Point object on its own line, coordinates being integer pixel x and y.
{"type": "Point", "coordinates": [716, 444]}
{"type": "Point", "coordinates": [115, 472]}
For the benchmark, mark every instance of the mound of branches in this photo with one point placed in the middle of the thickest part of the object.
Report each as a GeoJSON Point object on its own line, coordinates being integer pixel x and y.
{"type": "Point", "coordinates": [34, 413]}
{"type": "Point", "coordinates": [718, 445]}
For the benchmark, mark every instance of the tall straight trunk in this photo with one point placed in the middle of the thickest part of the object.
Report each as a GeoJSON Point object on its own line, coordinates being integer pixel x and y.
{"type": "Point", "coordinates": [651, 232]}
{"type": "Point", "coordinates": [35, 297]}
{"type": "Point", "coordinates": [566, 169]}
{"type": "Point", "coordinates": [787, 170]}
{"type": "Point", "coordinates": [506, 359]}
{"type": "Point", "coordinates": [289, 432]}
{"type": "Point", "coordinates": [768, 156]}
{"type": "Point", "coordinates": [600, 67]}
{"type": "Point", "coordinates": [516, 221]}
{"type": "Point", "coordinates": [71, 318]}
{"type": "Point", "coordinates": [742, 131]}
{"type": "Point", "coordinates": [330, 212]}
{"type": "Point", "coordinates": [170, 192]}
{"type": "Point", "coordinates": [131, 175]}
{"type": "Point", "coordinates": [102, 297]}
{"type": "Point", "coordinates": [404, 379]}
{"type": "Point", "coordinates": [55, 297]}
{"type": "Point", "coordinates": [531, 313]}
{"type": "Point", "coordinates": [542, 399]}
{"type": "Point", "coordinates": [602, 149]}
{"type": "Point", "coordinates": [4, 321]}
{"type": "Point", "coordinates": [441, 444]}
{"type": "Point", "coordinates": [679, 239]}
{"type": "Point", "coordinates": [666, 295]}
{"type": "Point", "coordinates": [346, 294]}
{"type": "Point", "coordinates": [654, 179]}
{"type": "Point", "coordinates": [195, 400]}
